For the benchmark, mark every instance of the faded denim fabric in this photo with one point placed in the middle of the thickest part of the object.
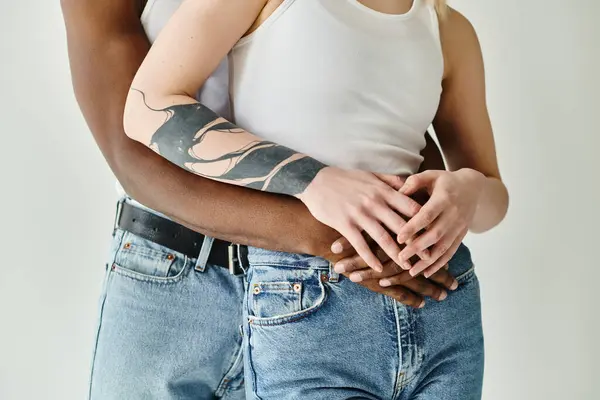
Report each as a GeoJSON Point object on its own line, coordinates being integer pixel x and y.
{"type": "Point", "coordinates": [309, 337]}
{"type": "Point", "coordinates": [168, 328]}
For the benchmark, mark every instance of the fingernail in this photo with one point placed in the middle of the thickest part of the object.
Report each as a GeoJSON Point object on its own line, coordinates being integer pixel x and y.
{"type": "Point", "coordinates": [454, 285]}
{"type": "Point", "coordinates": [385, 283]}
{"type": "Point", "coordinates": [406, 266]}
{"type": "Point", "coordinates": [443, 296]}
{"type": "Point", "coordinates": [427, 274]}
{"type": "Point", "coordinates": [422, 304]}
{"type": "Point", "coordinates": [413, 272]}
{"type": "Point", "coordinates": [339, 268]}
{"type": "Point", "coordinates": [424, 255]}
{"type": "Point", "coordinates": [356, 277]}
{"type": "Point", "coordinates": [337, 248]}
{"type": "Point", "coordinates": [402, 238]}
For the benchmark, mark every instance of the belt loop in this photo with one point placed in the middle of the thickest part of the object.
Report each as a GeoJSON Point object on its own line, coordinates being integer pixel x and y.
{"type": "Point", "coordinates": [204, 253]}
{"type": "Point", "coordinates": [242, 256]}
{"type": "Point", "coordinates": [334, 277]}
{"type": "Point", "coordinates": [118, 214]}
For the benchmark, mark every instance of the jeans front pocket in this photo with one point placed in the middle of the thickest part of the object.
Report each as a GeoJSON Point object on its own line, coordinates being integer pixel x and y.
{"type": "Point", "coordinates": [141, 259]}
{"type": "Point", "coordinates": [279, 294]}
{"type": "Point", "coordinates": [276, 298]}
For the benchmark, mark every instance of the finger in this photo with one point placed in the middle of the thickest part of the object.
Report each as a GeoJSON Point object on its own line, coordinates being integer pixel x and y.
{"type": "Point", "coordinates": [439, 265]}
{"type": "Point", "coordinates": [356, 262]}
{"type": "Point", "coordinates": [359, 244]}
{"type": "Point", "coordinates": [390, 268]}
{"type": "Point", "coordinates": [440, 251]}
{"type": "Point", "coordinates": [381, 237]}
{"type": "Point", "coordinates": [403, 204]}
{"type": "Point", "coordinates": [425, 217]}
{"type": "Point", "coordinates": [432, 236]}
{"type": "Point", "coordinates": [404, 296]}
{"type": "Point", "coordinates": [340, 245]}
{"type": "Point", "coordinates": [417, 285]}
{"type": "Point", "coordinates": [418, 181]}
{"type": "Point", "coordinates": [423, 254]}
{"type": "Point", "coordinates": [394, 181]}
{"type": "Point", "coordinates": [444, 279]}
{"type": "Point", "coordinates": [425, 287]}
{"type": "Point", "coordinates": [391, 219]}
{"type": "Point", "coordinates": [398, 293]}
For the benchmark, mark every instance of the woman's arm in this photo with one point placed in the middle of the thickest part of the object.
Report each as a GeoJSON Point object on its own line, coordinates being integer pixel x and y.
{"type": "Point", "coordinates": [162, 113]}
{"type": "Point", "coordinates": [161, 110]}
{"type": "Point", "coordinates": [471, 196]}
{"type": "Point", "coordinates": [106, 45]}
{"type": "Point", "coordinates": [463, 125]}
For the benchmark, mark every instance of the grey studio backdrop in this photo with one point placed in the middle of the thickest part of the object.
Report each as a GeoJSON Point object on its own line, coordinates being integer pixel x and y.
{"type": "Point", "coordinates": [539, 270]}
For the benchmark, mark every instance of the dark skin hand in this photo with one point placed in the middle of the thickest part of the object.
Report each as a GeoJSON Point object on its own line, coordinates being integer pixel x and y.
{"type": "Point", "coordinates": [106, 44]}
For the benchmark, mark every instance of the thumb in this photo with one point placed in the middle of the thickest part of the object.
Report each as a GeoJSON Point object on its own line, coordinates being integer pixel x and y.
{"type": "Point", "coordinates": [413, 183]}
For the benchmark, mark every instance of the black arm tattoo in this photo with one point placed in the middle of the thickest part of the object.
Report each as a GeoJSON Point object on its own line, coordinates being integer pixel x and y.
{"type": "Point", "coordinates": [260, 165]}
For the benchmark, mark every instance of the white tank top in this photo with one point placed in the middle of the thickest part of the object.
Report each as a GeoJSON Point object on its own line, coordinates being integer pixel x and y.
{"type": "Point", "coordinates": [340, 82]}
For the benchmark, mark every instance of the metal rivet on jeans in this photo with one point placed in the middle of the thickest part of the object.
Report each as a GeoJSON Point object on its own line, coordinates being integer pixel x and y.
{"type": "Point", "coordinates": [170, 257]}
{"type": "Point", "coordinates": [256, 290]}
{"type": "Point", "coordinates": [297, 287]}
{"type": "Point", "coordinates": [127, 245]}
{"type": "Point", "coordinates": [324, 277]}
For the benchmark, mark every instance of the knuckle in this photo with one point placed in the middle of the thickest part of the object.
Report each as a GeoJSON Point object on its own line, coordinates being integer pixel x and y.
{"type": "Point", "coordinates": [351, 265]}
{"type": "Point", "coordinates": [443, 197]}
{"type": "Point", "coordinates": [442, 248]}
{"type": "Point", "coordinates": [414, 207]}
{"type": "Point", "coordinates": [428, 217]}
{"type": "Point", "coordinates": [373, 197]}
{"type": "Point", "coordinates": [402, 296]}
{"type": "Point", "coordinates": [437, 234]}
{"type": "Point", "coordinates": [385, 240]}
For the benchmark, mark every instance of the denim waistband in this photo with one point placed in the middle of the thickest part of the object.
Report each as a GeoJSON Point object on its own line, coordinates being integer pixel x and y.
{"type": "Point", "coordinates": [460, 263]}
{"type": "Point", "coordinates": [257, 256]}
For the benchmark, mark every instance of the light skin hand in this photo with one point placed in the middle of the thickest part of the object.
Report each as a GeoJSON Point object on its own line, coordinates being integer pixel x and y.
{"type": "Point", "coordinates": [471, 196]}
{"type": "Point", "coordinates": [446, 216]}
{"type": "Point", "coordinates": [355, 201]}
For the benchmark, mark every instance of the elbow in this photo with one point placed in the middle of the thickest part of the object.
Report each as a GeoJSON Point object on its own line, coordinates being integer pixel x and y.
{"type": "Point", "coordinates": [132, 119]}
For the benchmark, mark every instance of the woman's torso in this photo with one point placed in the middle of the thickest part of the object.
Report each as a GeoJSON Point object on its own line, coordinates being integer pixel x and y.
{"type": "Point", "coordinates": [347, 85]}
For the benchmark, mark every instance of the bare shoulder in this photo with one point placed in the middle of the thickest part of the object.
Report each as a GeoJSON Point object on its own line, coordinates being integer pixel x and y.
{"type": "Point", "coordinates": [459, 39]}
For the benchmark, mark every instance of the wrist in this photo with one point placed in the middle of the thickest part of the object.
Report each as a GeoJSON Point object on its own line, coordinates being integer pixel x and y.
{"type": "Point", "coordinates": [319, 179]}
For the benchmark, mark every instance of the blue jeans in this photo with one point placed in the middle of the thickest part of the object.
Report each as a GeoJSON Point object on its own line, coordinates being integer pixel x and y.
{"type": "Point", "coordinates": [169, 326]}
{"type": "Point", "coordinates": [310, 334]}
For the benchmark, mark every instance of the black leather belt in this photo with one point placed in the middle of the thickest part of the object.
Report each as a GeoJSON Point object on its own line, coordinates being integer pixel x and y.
{"type": "Point", "coordinates": [177, 237]}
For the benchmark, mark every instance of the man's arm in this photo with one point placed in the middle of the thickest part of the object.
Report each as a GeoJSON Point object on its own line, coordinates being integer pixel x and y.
{"type": "Point", "coordinates": [107, 44]}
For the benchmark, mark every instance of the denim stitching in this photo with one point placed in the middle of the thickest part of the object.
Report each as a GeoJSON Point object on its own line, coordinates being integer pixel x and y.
{"type": "Point", "coordinates": [397, 384]}
{"type": "Point", "coordinates": [122, 271]}
{"type": "Point", "coordinates": [290, 318]}
{"type": "Point", "coordinates": [107, 277]}
{"type": "Point", "coordinates": [466, 276]}
{"type": "Point", "coordinates": [237, 358]}
{"type": "Point", "coordinates": [248, 337]}
{"type": "Point", "coordinates": [282, 265]}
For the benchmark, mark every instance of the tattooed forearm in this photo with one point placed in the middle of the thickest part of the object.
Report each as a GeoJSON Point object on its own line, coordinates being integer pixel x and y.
{"type": "Point", "coordinates": [197, 139]}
